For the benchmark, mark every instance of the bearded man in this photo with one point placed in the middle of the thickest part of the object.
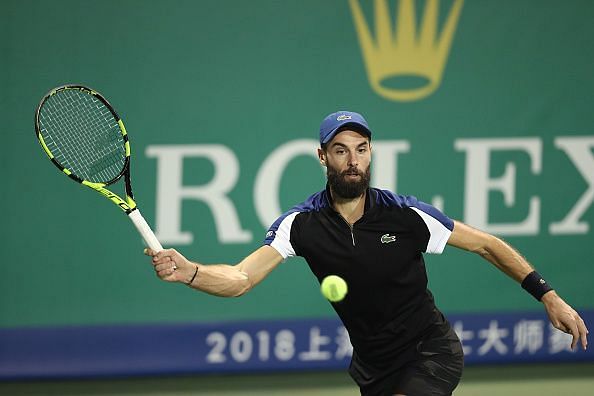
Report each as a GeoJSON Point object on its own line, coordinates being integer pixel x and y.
{"type": "Point", "coordinates": [375, 240]}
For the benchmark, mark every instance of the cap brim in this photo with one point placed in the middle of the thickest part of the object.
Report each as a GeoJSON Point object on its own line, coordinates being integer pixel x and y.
{"type": "Point", "coordinates": [357, 127]}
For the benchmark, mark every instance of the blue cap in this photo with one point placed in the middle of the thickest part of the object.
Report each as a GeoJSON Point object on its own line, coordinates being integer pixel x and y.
{"type": "Point", "coordinates": [335, 121]}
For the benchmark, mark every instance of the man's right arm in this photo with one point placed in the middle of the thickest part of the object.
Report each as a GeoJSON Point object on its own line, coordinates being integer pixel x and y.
{"type": "Point", "coordinates": [218, 279]}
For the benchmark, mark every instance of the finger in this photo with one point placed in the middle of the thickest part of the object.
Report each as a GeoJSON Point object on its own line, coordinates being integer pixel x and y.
{"type": "Point", "coordinates": [157, 261]}
{"type": "Point", "coordinates": [164, 254]}
{"type": "Point", "coordinates": [165, 266]}
{"type": "Point", "coordinates": [583, 332]}
{"type": "Point", "coordinates": [575, 334]}
{"type": "Point", "coordinates": [149, 252]}
{"type": "Point", "coordinates": [165, 271]}
{"type": "Point", "coordinates": [581, 321]}
{"type": "Point", "coordinates": [162, 258]}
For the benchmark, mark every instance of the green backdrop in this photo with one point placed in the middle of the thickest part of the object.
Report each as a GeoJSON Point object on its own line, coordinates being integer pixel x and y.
{"type": "Point", "coordinates": [509, 121]}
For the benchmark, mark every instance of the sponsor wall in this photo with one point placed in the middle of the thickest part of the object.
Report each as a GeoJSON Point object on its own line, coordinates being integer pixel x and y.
{"type": "Point", "coordinates": [482, 109]}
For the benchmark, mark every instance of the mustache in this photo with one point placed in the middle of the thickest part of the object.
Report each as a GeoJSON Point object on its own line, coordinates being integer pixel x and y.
{"type": "Point", "coordinates": [352, 171]}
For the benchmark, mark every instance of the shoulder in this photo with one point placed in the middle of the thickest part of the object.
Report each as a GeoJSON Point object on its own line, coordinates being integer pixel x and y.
{"type": "Point", "coordinates": [313, 203]}
{"type": "Point", "coordinates": [389, 198]}
{"type": "Point", "coordinates": [427, 212]}
{"type": "Point", "coordinates": [279, 235]}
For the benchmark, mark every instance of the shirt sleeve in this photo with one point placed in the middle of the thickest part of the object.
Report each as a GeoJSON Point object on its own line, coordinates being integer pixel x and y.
{"type": "Point", "coordinates": [439, 225]}
{"type": "Point", "coordinates": [279, 235]}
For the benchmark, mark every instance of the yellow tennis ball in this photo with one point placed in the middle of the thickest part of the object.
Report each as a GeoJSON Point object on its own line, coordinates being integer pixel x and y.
{"type": "Point", "coordinates": [334, 288]}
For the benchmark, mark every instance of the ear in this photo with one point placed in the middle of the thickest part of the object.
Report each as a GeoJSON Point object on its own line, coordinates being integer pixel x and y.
{"type": "Point", "coordinates": [322, 157]}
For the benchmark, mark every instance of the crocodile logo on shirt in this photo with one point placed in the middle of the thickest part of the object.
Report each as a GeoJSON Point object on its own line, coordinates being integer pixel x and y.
{"type": "Point", "coordinates": [387, 238]}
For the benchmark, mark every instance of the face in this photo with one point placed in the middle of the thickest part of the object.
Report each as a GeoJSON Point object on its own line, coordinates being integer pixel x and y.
{"type": "Point", "coordinates": [347, 158]}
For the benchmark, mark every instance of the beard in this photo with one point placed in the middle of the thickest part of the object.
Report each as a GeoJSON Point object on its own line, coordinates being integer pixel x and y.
{"type": "Point", "coordinates": [344, 188]}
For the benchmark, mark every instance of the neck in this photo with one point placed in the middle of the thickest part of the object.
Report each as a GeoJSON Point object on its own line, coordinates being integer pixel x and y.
{"type": "Point", "coordinates": [351, 209]}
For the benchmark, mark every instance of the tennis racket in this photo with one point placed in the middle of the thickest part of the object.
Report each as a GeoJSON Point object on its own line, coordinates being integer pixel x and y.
{"type": "Point", "coordinates": [85, 138]}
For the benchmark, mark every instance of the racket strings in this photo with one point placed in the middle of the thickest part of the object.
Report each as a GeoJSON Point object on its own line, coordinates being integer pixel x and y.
{"type": "Point", "coordinates": [83, 135]}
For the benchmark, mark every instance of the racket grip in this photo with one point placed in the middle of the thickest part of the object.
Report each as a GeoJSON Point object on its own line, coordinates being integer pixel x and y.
{"type": "Point", "coordinates": [145, 230]}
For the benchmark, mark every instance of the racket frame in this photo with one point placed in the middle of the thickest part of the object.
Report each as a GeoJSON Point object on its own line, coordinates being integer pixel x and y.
{"type": "Point", "coordinates": [128, 205]}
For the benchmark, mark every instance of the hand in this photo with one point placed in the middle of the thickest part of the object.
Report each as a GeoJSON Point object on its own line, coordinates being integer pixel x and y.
{"type": "Point", "coordinates": [565, 318]}
{"type": "Point", "coordinates": [171, 266]}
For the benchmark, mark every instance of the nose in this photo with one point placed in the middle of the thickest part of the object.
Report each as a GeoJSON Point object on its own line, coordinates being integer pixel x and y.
{"type": "Point", "coordinates": [352, 160]}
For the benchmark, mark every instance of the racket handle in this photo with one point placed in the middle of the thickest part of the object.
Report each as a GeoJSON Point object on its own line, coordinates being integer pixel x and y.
{"type": "Point", "coordinates": [145, 230]}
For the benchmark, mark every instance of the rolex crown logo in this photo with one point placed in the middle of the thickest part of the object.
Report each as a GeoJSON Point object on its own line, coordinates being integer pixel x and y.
{"type": "Point", "coordinates": [404, 51]}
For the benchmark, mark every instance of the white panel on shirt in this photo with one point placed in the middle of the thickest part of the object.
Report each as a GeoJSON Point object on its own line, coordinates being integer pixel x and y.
{"type": "Point", "coordinates": [282, 238]}
{"type": "Point", "coordinates": [438, 233]}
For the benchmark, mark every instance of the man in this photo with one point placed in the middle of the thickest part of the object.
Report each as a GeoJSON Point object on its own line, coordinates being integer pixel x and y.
{"type": "Point", "coordinates": [374, 239]}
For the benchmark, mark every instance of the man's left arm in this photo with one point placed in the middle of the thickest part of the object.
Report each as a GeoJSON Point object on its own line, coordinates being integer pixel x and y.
{"type": "Point", "coordinates": [509, 261]}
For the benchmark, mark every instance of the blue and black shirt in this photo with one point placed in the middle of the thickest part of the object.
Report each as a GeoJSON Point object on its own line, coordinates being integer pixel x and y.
{"type": "Point", "coordinates": [388, 305]}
